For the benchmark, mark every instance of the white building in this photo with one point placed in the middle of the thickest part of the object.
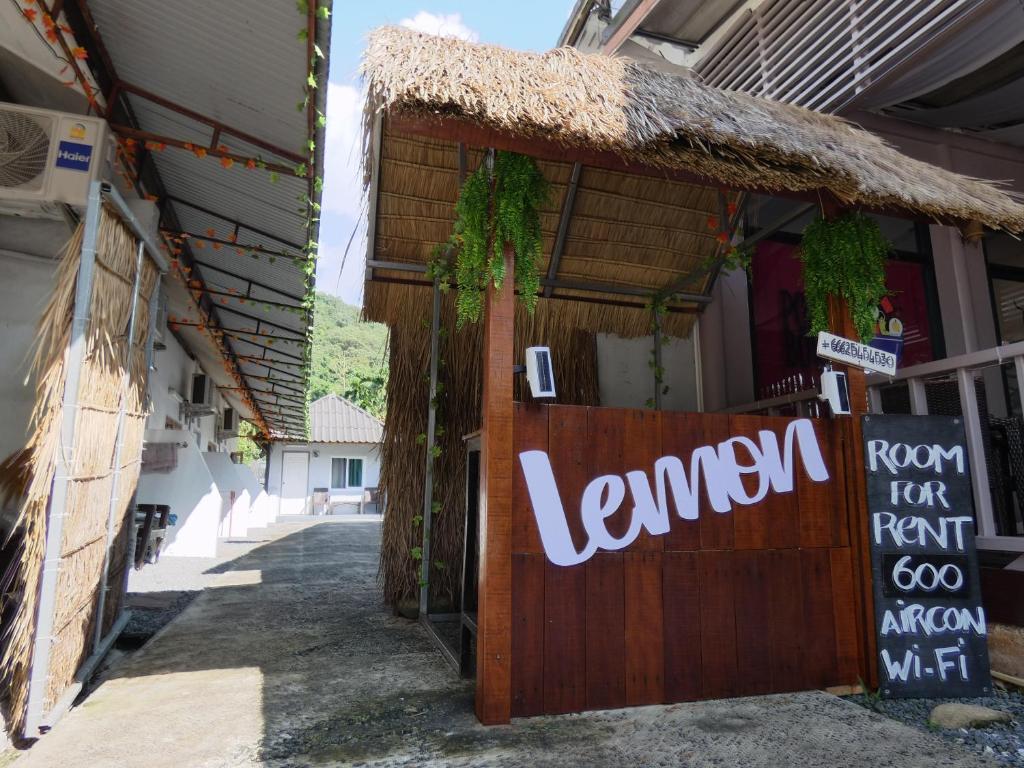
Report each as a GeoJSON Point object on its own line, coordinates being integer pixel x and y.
{"type": "Point", "coordinates": [341, 460]}
{"type": "Point", "coordinates": [147, 217]}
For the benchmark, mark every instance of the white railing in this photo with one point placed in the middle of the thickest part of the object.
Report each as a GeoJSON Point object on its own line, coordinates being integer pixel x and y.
{"type": "Point", "coordinates": [822, 55]}
{"type": "Point", "coordinates": [805, 403]}
{"type": "Point", "coordinates": [963, 369]}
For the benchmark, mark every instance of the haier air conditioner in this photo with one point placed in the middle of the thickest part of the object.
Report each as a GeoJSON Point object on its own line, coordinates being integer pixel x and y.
{"type": "Point", "coordinates": [48, 158]}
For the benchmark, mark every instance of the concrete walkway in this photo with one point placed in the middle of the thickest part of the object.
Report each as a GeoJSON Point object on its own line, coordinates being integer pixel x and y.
{"type": "Point", "coordinates": [289, 660]}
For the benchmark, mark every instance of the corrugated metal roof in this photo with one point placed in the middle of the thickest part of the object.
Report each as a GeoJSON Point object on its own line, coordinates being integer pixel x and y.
{"type": "Point", "coordinates": [243, 65]}
{"type": "Point", "coordinates": [334, 419]}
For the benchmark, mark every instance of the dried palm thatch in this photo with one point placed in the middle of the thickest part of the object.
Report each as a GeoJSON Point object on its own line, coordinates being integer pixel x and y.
{"type": "Point", "coordinates": [665, 121]}
{"type": "Point", "coordinates": [29, 473]}
{"type": "Point", "coordinates": [458, 414]}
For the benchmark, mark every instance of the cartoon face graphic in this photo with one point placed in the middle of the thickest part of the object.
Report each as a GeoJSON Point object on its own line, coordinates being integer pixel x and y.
{"type": "Point", "coordinates": [77, 131]}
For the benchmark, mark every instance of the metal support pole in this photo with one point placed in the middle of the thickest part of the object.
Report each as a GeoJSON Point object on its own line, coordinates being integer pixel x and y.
{"type": "Point", "coordinates": [154, 306]}
{"type": "Point", "coordinates": [657, 361]}
{"type": "Point", "coordinates": [115, 481]}
{"type": "Point", "coordinates": [428, 480]}
{"type": "Point", "coordinates": [63, 471]}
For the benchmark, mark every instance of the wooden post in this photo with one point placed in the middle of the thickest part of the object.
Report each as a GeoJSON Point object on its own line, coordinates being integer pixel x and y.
{"type": "Point", "coordinates": [840, 322]}
{"type": "Point", "coordinates": [658, 385]}
{"type": "Point", "coordinates": [494, 617]}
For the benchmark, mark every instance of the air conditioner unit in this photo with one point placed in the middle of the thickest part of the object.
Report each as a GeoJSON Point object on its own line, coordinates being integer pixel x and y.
{"type": "Point", "coordinates": [202, 389]}
{"type": "Point", "coordinates": [201, 403]}
{"type": "Point", "coordinates": [48, 158]}
{"type": "Point", "coordinates": [539, 372]}
{"type": "Point", "coordinates": [228, 425]}
{"type": "Point", "coordinates": [160, 323]}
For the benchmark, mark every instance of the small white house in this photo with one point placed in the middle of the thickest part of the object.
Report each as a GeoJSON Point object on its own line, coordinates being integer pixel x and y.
{"type": "Point", "coordinates": [340, 462]}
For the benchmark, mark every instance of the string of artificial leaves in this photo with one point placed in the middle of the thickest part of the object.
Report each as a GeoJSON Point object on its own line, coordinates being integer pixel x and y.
{"type": "Point", "coordinates": [844, 257]}
{"type": "Point", "coordinates": [496, 205]}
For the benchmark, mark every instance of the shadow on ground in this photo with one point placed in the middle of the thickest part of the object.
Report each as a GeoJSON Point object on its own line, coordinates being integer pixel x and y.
{"type": "Point", "coordinates": [291, 660]}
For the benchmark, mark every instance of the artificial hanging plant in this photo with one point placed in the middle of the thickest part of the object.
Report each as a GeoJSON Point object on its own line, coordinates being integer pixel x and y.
{"type": "Point", "coordinates": [494, 208]}
{"type": "Point", "coordinates": [844, 256]}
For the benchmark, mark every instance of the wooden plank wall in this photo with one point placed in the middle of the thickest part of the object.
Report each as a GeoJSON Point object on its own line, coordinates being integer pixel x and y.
{"type": "Point", "coordinates": [762, 599]}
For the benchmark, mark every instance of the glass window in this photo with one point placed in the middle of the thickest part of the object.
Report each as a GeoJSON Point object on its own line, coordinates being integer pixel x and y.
{"type": "Point", "coordinates": [355, 473]}
{"type": "Point", "coordinates": [337, 473]}
{"type": "Point", "coordinates": [1009, 306]}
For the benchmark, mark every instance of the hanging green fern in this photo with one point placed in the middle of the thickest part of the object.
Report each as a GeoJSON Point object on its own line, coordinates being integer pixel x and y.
{"type": "Point", "coordinates": [488, 215]}
{"type": "Point", "coordinates": [520, 191]}
{"type": "Point", "coordinates": [844, 257]}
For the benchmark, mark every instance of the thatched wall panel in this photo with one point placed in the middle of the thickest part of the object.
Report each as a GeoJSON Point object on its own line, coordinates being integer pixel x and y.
{"type": "Point", "coordinates": [78, 580]}
{"type": "Point", "coordinates": [101, 394]}
{"type": "Point", "coordinates": [94, 455]}
{"type": "Point", "coordinates": [458, 413]}
{"type": "Point", "coordinates": [72, 645]}
{"type": "Point", "coordinates": [84, 522]}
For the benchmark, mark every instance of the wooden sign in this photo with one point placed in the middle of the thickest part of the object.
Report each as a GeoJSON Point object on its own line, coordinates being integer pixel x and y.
{"type": "Point", "coordinates": [928, 614]}
{"type": "Point", "coordinates": [854, 353]}
{"type": "Point", "coordinates": [661, 557]}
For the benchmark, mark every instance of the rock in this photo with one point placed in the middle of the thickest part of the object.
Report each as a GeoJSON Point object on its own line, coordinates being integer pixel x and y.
{"type": "Point", "coordinates": [408, 608]}
{"type": "Point", "coordinates": [966, 716]}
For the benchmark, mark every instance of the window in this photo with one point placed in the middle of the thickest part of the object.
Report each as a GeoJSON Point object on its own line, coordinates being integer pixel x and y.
{"type": "Point", "coordinates": [337, 473]}
{"type": "Point", "coordinates": [346, 473]}
{"type": "Point", "coordinates": [355, 473]}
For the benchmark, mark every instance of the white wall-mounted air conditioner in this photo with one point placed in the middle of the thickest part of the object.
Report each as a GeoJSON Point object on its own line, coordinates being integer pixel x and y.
{"type": "Point", "coordinates": [48, 158]}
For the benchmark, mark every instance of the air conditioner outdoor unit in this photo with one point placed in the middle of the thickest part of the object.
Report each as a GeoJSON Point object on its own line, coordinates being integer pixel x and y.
{"type": "Point", "coordinates": [48, 158]}
{"type": "Point", "coordinates": [160, 323]}
{"type": "Point", "coordinates": [201, 403]}
{"type": "Point", "coordinates": [228, 425]}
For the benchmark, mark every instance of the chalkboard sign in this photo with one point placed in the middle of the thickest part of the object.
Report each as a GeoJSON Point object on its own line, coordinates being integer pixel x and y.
{"type": "Point", "coordinates": [928, 615]}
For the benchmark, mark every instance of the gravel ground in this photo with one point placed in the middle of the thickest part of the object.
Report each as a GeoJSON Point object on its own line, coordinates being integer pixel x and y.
{"type": "Point", "coordinates": [1003, 742]}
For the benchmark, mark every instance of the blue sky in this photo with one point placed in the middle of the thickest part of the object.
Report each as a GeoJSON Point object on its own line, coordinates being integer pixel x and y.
{"type": "Point", "coordinates": [523, 24]}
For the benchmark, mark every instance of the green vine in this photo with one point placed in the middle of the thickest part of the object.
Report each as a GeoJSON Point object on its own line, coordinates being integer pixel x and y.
{"type": "Point", "coordinates": [493, 210]}
{"type": "Point", "coordinates": [844, 257]}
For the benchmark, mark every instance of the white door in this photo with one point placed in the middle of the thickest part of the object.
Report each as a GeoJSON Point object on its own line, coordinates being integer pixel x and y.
{"type": "Point", "coordinates": [294, 482]}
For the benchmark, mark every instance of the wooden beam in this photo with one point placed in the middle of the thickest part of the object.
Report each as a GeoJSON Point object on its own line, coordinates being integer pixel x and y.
{"type": "Point", "coordinates": [170, 141]}
{"type": "Point", "coordinates": [474, 135]}
{"type": "Point", "coordinates": [563, 226]}
{"type": "Point", "coordinates": [494, 623]}
{"type": "Point", "coordinates": [632, 16]}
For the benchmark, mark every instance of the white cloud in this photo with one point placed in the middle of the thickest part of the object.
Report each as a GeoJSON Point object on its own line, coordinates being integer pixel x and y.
{"type": "Point", "coordinates": [344, 206]}
{"type": "Point", "coordinates": [447, 25]}
{"type": "Point", "coordinates": [343, 189]}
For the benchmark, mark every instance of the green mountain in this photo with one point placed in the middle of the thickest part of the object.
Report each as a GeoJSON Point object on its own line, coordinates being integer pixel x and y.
{"type": "Point", "coordinates": [349, 356]}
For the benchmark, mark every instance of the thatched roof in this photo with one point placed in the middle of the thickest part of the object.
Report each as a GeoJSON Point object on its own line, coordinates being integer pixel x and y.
{"type": "Point", "coordinates": [664, 121]}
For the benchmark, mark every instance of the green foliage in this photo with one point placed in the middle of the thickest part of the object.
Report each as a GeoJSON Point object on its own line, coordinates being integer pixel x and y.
{"type": "Point", "coordinates": [844, 257]}
{"type": "Point", "coordinates": [349, 356]}
{"type": "Point", "coordinates": [246, 445]}
{"type": "Point", "coordinates": [488, 216]}
{"type": "Point", "coordinates": [520, 192]}
{"type": "Point", "coordinates": [471, 241]}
